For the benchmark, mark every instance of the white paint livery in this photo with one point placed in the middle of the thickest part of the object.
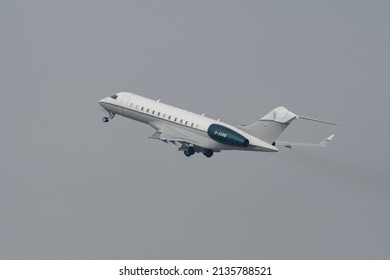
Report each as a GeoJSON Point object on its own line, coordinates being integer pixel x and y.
{"type": "Point", "coordinates": [197, 133]}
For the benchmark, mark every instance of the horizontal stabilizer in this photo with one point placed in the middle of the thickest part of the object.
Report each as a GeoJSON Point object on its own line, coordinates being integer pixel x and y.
{"type": "Point", "coordinates": [317, 120]}
{"type": "Point", "coordinates": [290, 145]}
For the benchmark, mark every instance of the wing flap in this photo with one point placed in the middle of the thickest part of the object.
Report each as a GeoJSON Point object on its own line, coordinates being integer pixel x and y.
{"type": "Point", "coordinates": [170, 135]}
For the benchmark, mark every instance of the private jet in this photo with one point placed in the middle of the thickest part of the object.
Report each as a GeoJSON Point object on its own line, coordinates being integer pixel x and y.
{"type": "Point", "coordinates": [194, 133]}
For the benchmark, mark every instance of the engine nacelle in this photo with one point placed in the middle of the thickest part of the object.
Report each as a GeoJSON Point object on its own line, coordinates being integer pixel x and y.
{"type": "Point", "coordinates": [227, 136]}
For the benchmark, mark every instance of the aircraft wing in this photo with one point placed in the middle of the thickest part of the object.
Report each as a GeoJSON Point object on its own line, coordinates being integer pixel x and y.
{"type": "Point", "coordinates": [290, 145]}
{"type": "Point", "coordinates": [171, 135]}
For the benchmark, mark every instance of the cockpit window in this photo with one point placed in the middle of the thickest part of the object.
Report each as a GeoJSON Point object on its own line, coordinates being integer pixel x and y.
{"type": "Point", "coordinates": [114, 96]}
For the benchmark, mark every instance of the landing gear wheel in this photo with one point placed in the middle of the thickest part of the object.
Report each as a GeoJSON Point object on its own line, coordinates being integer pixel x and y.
{"type": "Point", "coordinates": [191, 150]}
{"type": "Point", "coordinates": [208, 153]}
{"type": "Point", "coordinates": [105, 119]}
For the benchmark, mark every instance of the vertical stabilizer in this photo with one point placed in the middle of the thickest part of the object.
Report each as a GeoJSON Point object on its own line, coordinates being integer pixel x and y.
{"type": "Point", "coordinates": [269, 127]}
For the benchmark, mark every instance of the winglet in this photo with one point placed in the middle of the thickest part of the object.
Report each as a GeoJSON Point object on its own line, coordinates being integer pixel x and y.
{"type": "Point", "coordinates": [324, 143]}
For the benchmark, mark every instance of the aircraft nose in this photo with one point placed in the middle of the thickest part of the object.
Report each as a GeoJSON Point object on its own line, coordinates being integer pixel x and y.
{"type": "Point", "coordinates": [103, 102]}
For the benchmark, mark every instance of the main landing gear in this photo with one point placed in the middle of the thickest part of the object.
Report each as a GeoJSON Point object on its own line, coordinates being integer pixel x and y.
{"type": "Point", "coordinates": [208, 153]}
{"type": "Point", "coordinates": [191, 150]}
{"type": "Point", "coordinates": [110, 116]}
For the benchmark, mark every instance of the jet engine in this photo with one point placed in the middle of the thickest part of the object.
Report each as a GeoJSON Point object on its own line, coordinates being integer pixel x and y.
{"type": "Point", "coordinates": [227, 136]}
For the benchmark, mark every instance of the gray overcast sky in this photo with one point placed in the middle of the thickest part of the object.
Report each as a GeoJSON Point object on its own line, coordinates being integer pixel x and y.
{"type": "Point", "coordinates": [72, 187]}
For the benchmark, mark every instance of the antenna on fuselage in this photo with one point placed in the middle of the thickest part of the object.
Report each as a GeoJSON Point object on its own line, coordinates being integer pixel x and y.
{"type": "Point", "coordinates": [158, 100]}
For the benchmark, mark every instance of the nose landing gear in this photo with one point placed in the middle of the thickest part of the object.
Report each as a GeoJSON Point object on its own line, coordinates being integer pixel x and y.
{"type": "Point", "coordinates": [110, 116]}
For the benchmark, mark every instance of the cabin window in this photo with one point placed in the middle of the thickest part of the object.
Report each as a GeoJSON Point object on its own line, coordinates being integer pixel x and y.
{"type": "Point", "coordinates": [114, 96]}
{"type": "Point", "coordinates": [136, 107]}
{"type": "Point", "coordinates": [181, 121]}
{"type": "Point", "coordinates": [175, 119]}
{"type": "Point", "coordinates": [164, 116]}
{"type": "Point", "coordinates": [186, 122]}
{"type": "Point", "coordinates": [147, 110]}
{"type": "Point", "coordinates": [169, 117]}
{"type": "Point", "coordinates": [197, 126]}
{"type": "Point", "coordinates": [192, 125]}
{"type": "Point", "coordinates": [158, 114]}
{"type": "Point", "coordinates": [142, 108]}
{"type": "Point", "coordinates": [153, 112]}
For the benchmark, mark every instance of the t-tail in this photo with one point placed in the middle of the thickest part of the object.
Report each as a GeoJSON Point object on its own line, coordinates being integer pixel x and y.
{"type": "Point", "coordinates": [272, 125]}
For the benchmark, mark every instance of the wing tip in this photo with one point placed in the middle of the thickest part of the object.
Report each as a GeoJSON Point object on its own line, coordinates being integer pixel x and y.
{"type": "Point", "coordinates": [324, 143]}
{"type": "Point", "coordinates": [330, 138]}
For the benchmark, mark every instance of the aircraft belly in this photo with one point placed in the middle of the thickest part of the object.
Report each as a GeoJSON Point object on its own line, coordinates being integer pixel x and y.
{"type": "Point", "coordinates": [137, 116]}
{"type": "Point", "coordinates": [141, 117]}
{"type": "Point", "coordinates": [112, 108]}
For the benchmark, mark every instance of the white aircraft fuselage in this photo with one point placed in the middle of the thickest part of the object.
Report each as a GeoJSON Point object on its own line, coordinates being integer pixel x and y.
{"type": "Point", "coordinates": [193, 132]}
